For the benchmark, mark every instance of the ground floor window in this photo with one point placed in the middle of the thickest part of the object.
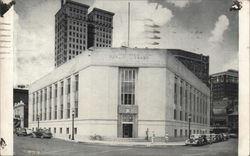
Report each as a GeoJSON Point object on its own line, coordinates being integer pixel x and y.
{"type": "Point", "coordinates": [60, 130]}
{"type": "Point", "coordinates": [75, 130]}
{"type": "Point", "coordinates": [67, 130]}
{"type": "Point", "coordinates": [185, 133]}
{"type": "Point", "coordinates": [181, 133]}
{"type": "Point", "coordinates": [54, 130]}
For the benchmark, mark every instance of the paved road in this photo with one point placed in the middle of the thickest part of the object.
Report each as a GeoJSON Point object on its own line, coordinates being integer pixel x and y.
{"type": "Point", "coordinates": [35, 146]}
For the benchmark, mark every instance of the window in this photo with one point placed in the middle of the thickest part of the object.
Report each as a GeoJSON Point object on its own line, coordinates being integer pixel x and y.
{"type": "Point", "coordinates": [181, 94]}
{"type": "Point", "coordinates": [68, 110]}
{"type": "Point", "coordinates": [67, 131]}
{"type": "Point", "coordinates": [76, 82]}
{"type": "Point", "coordinates": [75, 130]}
{"type": "Point", "coordinates": [185, 133]}
{"type": "Point", "coordinates": [180, 115]}
{"type": "Point", "coordinates": [127, 85]}
{"type": "Point", "coordinates": [50, 99]}
{"type": "Point", "coordinates": [62, 88]}
{"type": "Point", "coordinates": [61, 111]}
{"type": "Point", "coordinates": [41, 100]}
{"type": "Point", "coordinates": [54, 130]}
{"type": "Point", "coordinates": [175, 91]}
{"type": "Point", "coordinates": [181, 133]}
{"type": "Point", "coordinates": [175, 114]}
{"type": "Point", "coordinates": [55, 103]}
{"type": "Point", "coordinates": [76, 109]}
{"type": "Point", "coordinates": [175, 133]}
{"type": "Point", "coordinates": [33, 109]}
{"type": "Point", "coordinates": [45, 104]}
{"type": "Point", "coordinates": [68, 86]}
{"type": "Point", "coordinates": [60, 130]}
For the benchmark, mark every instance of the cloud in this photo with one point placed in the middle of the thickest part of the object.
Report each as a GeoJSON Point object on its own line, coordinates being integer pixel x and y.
{"type": "Point", "coordinates": [176, 3]}
{"type": "Point", "coordinates": [183, 3]}
{"type": "Point", "coordinates": [220, 27]}
{"type": "Point", "coordinates": [144, 17]}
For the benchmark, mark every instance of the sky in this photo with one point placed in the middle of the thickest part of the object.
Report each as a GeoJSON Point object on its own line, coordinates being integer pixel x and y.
{"type": "Point", "coordinates": [201, 26]}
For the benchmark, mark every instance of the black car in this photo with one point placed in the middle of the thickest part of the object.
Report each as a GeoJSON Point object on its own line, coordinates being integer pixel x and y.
{"type": "Point", "coordinates": [21, 132]}
{"type": "Point", "coordinates": [196, 139]}
{"type": "Point", "coordinates": [41, 133]}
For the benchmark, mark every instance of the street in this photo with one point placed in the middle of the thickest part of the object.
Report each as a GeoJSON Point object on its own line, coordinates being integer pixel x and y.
{"type": "Point", "coordinates": [36, 146]}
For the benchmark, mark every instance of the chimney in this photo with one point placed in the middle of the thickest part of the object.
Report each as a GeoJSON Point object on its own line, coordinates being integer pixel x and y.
{"type": "Point", "coordinates": [62, 2]}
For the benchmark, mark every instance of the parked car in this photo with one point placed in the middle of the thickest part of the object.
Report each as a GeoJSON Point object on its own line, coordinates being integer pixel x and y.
{"type": "Point", "coordinates": [233, 135]}
{"type": "Point", "coordinates": [41, 133]}
{"type": "Point", "coordinates": [225, 136]}
{"type": "Point", "coordinates": [209, 138]}
{"type": "Point", "coordinates": [21, 132]}
{"type": "Point", "coordinates": [214, 138]}
{"type": "Point", "coordinates": [196, 139]}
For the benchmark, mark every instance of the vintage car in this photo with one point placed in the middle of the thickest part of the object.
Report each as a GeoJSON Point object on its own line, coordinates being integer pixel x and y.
{"type": "Point", "coordinates": [196, 139]}
{"type": "Point", "coordinates": [209, 138]}
{"type": "Point", "coordinates": [225, 136]}
{"type": "Point", "coordinates": [41, 133]}
{"type": "Point", "coordinates": [21, 132]}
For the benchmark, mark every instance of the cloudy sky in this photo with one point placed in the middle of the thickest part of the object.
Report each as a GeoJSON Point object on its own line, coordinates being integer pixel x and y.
{"type": "Point", "coordinates": [200, 26]}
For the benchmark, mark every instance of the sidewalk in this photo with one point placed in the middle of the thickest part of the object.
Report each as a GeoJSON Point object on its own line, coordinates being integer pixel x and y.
{"type": "Point", "coordinates": [132, 144]}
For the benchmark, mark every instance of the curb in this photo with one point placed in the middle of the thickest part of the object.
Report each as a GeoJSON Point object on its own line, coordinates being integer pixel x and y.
{"type": "Point", "coordinates": [129, 145]}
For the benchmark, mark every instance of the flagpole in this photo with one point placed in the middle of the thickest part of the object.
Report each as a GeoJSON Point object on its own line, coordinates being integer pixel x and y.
{"type": "Point", "coordinates": [128, 22]}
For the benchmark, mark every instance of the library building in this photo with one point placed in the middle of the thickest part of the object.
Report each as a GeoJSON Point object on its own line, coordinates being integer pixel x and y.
{"type": "Point", "coordinates": [120, 93]}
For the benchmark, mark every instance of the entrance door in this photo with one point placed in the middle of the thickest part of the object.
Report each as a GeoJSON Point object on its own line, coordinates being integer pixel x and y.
{"type": "Point", "coordinates": [127, 130]}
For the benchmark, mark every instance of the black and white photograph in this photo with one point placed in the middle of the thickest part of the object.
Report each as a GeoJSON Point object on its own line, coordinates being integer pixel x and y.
{"type": "Point", "coordinates": [124, 77]}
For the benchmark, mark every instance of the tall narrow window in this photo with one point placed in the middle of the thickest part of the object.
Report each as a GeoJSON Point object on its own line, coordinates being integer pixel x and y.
{"type": "Point", "coordinates": [33, 108]}
{"type": "Point", "coordinates": [37, 114]}
{"type": "Point", "coordinates": [50, 100]}
{"type": "Point", "coordinates": [76, 95]}
{"type": "Point", "coordinates": [127, 85]}
{"type": "Point", "coordinates": [45, 104]}
{"type": "Point", "coordinates": [55, 103]}
{"type": "Point", "coordinates": [181, 94]}
{"type": "Point", "coordinates": [175, 114]}
{"type": "Point", "coordinates": [61, 101]}
{"type": "Point", "coordinates": [68, 109]}
{"type": "Point", "coordinates": [68, 97]}
{"type": "Point", "coordinates": [41, 106]}
{"type": "Point", "coordinates": [175, 90]}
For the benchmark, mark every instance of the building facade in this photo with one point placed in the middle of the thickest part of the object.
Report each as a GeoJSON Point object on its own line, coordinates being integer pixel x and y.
{"type": "Point", "coordinates": [70, 31]}
{"type": "Point", "coordinates": [197, 63]}
{"type": "Point", "coordinates": [100, 28]}
{"type": "Point", "coordinates": [21, 107]}
{"type": "Point", "coordinates": [121, 93]}
{"type": "Point", "coordinates": [76, 30]}
{"type": "Point", "coordinates": [224, 89]}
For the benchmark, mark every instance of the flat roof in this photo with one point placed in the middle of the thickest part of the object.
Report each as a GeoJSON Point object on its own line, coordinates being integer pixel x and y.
{"type": "Point", "coordinates": [104, 11]}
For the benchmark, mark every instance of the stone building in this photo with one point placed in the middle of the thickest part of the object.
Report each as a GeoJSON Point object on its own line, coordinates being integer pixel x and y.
{"type": "Point", "coordinates": [120, 93]}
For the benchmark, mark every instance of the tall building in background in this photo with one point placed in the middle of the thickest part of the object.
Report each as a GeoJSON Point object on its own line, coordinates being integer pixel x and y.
{"type": "Point", "coordinates": [224, 94]}
{"type": "Point", "coordinates": [197, 63]}
{"type": "Point", "coordinates": [100, 28]}
{"type": "Point", "coordinates": [72, 36]}
{"type": "Point", "coordinates": [20, 104]}
{"type": "Point", "coordinates": [70, 31]}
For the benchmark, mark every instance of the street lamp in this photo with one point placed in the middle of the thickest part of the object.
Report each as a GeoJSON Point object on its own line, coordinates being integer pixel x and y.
{"type": "Point", "coordinates": [73, 115]}
{"type": "Point", "coordinates": [37, 117]}
{"type": "Point", "coordinates": [189, 120]}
